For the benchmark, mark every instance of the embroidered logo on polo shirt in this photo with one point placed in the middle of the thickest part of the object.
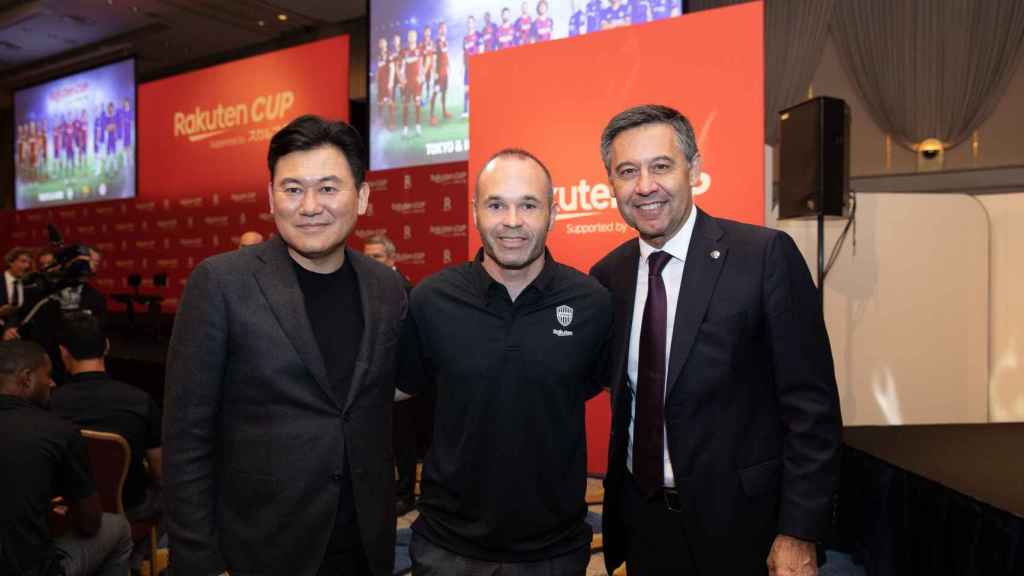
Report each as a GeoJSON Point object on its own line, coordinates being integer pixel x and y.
{"type": "Point", "coordinates": [564, 316]}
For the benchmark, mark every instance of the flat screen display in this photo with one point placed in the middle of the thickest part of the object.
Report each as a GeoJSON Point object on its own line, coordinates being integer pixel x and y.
{"type": "Point", "coordinates": [419, 78]}
{"type": "Point", "coordinates": [74, 138]}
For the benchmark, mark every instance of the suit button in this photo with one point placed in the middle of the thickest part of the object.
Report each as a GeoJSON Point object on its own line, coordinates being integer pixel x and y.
{"type": "Point", "coordinates": [336, 477]}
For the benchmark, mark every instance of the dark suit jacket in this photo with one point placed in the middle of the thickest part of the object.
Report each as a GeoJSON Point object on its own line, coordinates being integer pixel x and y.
{"type": "Point", "coordinates": [751, 406]}
{"type": "Point", "coordinates": [254, 438]}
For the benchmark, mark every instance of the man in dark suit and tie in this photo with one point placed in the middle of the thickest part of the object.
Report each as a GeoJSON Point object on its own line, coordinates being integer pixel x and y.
{"type": "Point", "coordinates": [280, 380]}
{"type": "Point", "coordinates": [726, 423]}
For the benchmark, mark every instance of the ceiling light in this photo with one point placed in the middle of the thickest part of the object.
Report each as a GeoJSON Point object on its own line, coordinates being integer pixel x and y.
{"type": "Point", "coordinates": [260, 23]}
{"type": "Point", "coordinates": [282, 17]}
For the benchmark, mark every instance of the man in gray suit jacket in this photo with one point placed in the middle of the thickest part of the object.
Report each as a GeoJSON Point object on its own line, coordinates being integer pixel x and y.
{"type": "Point", "coordinates": [280, 380]}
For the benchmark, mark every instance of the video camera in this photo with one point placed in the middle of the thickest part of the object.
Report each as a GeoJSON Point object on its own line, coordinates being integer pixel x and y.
{"type": "Point", "coordinates": [70, 267]}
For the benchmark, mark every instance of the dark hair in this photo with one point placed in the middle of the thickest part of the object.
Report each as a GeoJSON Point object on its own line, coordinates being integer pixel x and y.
{"type": "Point", "coordinates": [81, 334]}
{"type": "Point", "coordinates": [642, 116]}
{"type": "Point", "coordinates": [310, 132]}
{"type": "Point", "coordinates": [15, 253]}
{"type": "Point", "coordinates": [18, 355]}
{"type": "Point", "coordinates": [519, 154]}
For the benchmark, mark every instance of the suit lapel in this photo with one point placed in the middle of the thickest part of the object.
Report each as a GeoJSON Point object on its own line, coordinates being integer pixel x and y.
{"type": "Point", "coordinates": [280, 287]}
{"type": "Point", "coordinates": [699, 278]}
{"type": "Point", "coordinates": [624, 285]}
{"type": "Point", "coordinates": [368, 290]}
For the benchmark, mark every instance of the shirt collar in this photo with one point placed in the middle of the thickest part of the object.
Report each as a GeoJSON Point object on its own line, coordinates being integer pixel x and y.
{"type": "Point", "coordinates": [12, 401]}
{"type": "Point", "coordinates": [544, 282]}
{"type": "Point", "coordinates": [88, 376]}
{"type": "Point", "coordinates": [678, 245]}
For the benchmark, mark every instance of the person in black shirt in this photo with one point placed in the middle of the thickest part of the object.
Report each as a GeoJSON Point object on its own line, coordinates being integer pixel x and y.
{"type": "Point", "coordinates": [43, 456]}
{"type": "Point", "coordinates": [280, 383]}
{"type": "Point", "coordinates": [92, 399]}
{"type": "Point", "coordinates": [513, 342]}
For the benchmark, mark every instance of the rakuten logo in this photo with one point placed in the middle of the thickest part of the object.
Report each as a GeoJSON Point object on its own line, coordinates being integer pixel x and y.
{"type": "Point", "coordinates": [453, 231]}
{"type": "Point", "coordinates": [583, 200]}
{"type": "Point", "coordinates": [409, 207]}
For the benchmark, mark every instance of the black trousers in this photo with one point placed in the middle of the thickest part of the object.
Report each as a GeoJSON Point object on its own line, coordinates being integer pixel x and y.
{"type": "Point", "coordinates": [657, 543]}
{"type": "Point", "coordinates": [429, 559]}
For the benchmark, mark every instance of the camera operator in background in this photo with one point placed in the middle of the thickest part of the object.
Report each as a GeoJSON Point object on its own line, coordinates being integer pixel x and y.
{"type": "Point", "coordinates": [50, 294]}
{"type": "Point", "coordinates": [82, 296]}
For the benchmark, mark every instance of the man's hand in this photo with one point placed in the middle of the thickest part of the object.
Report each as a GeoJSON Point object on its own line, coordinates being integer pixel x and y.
{"type": "Point", "coordinates": [7, 310]}
{"type": "Point", "coordinates": [11, 334]}
{"type": "Point", "coordinates": [792, 557]}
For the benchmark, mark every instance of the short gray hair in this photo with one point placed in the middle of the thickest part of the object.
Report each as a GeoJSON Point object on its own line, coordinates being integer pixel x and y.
{"type": "Point", "coordinates": [383, 240]}
{"type": "Point", "coordinates": [643, 116]}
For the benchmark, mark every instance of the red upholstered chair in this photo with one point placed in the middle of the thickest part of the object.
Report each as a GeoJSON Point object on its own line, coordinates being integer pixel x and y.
{"type": "Point", "coordinates": [109, 457]}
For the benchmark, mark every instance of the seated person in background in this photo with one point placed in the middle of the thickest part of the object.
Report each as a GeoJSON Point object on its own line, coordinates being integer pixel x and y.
{"type": "Point", "coordinates": [250, 238]}
{"type": "Point", "coordinates": [41, 457]}
{"type": "Point", "coordinates": [92, 399]}
{"type": "Point", "coordinates": [44, 259]}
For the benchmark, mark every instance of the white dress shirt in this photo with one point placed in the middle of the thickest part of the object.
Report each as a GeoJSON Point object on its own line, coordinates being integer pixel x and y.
{"type": "Point", "coordinates": [10, 286]}
{"type": "Point", "coordinates": [672, 275]}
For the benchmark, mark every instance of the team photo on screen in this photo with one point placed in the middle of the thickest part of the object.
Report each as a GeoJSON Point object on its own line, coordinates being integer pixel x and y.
{"type": "Point", "coordinates": [74, 138]}
{"type": "Point", "coordinates": [419, 85]}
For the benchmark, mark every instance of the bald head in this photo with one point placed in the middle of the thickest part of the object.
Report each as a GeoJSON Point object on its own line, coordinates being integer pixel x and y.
{"type": "Point", "coordinates": [250, 238]}
{"type": "Point", "coordinates": [515, 154]}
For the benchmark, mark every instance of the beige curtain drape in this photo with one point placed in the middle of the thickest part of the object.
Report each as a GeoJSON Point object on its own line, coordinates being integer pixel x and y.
{"type": "Point", "coordinates": [929, 68]}
{"type": "Point", "coordinates": [794, 36]}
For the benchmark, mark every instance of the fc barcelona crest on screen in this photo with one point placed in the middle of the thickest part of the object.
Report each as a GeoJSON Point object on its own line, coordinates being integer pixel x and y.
{"type": "Point", "coordinates": [564, 315]}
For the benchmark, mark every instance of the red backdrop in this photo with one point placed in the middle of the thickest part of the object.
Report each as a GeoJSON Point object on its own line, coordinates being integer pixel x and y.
{"type": "Point", "coordinates": [554, 99]}
{"type": "Point", "coordinates": [423, 210]}
{"type": "Point", "coordinates": [202, 148]}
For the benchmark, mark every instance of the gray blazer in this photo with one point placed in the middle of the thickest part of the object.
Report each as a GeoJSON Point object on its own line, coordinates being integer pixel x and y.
{"type": "Point", "coordinates": [254, 438]}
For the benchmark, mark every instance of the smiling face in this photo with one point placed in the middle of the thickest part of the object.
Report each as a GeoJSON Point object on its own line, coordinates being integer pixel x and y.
{"type": "Point", "coordinates": [315, 202]}
{"type": "Point", "coordinates": [513, 211]}
{"type": "Point", "coordinates": [653, 181]}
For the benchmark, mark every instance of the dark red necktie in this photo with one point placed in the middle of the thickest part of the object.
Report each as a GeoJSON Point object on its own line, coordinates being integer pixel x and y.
{"type": "Point", "coordinates": [648, 430]}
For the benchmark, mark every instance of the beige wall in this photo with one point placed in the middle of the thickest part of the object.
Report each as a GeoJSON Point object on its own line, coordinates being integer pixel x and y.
{"type": "Point", "coordinates": [926, 316]}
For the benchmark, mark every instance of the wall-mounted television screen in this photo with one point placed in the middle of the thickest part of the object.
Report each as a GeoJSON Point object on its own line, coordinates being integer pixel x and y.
{"type": "Point", "coordinates": [74, 138]}
{"type": "Point", "coordinates": [419, 81]}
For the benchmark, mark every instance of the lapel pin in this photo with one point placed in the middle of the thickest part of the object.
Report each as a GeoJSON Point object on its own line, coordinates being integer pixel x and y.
{"type": "Point", "coordinates": [715, 254]}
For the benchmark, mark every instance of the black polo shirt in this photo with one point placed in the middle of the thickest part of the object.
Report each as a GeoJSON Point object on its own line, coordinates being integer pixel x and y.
{"type": "Point", "coordinates": [505, 478]}
{"type": "Point", "coordinates": [96, 401]}
{"type": "Point", "coordinates": [41, 456]}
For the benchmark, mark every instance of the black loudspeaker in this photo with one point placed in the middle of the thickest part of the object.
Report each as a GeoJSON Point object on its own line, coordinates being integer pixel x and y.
{"type": "Point", "coordinates": [815, 159]}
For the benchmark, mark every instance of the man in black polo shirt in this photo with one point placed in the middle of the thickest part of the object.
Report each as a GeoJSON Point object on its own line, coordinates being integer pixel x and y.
{"type": "Point", "coordinates": [92, 399]}
{"type": "Point", "coordinates": [513, 341]}
{"type": "Point", "coordinates": [43, 456]}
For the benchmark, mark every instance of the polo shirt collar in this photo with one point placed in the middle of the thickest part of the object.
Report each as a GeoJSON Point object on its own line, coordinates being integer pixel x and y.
{"type": "Point", "coordinates": [544, 282]}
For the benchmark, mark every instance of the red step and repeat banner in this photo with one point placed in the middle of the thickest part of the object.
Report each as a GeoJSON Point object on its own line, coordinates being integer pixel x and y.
{"type": "Point", "coordinates": [423, 211]}
{"type": "Point", "coordinates": [554, 99]}
{"type": "Point", "coordinates": [202, 148]}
